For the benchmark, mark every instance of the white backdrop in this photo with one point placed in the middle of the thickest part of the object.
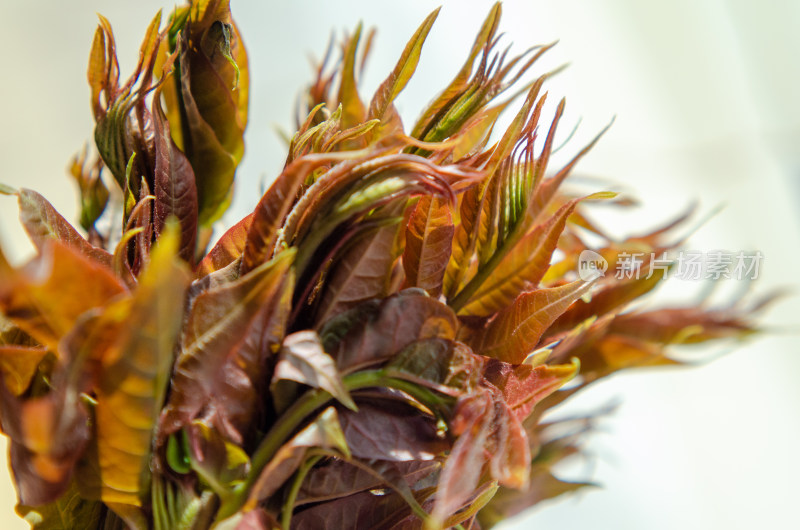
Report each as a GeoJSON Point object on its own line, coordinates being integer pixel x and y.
{"type": "Point", "coordinates": [706, 99]}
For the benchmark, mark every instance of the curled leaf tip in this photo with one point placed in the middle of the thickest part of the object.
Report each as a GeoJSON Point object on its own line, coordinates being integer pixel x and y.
{"type": "Point", "coordinates": [218, 40]}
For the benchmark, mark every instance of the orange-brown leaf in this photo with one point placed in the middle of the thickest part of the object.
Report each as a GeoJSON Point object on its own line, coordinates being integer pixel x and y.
{"type": "Point", "coordinates": [521, 269]}
{"type": "Point", "coordinates": [681, 325]}
{"type": "Point", "coordinates": [228, 249]}
{"type": "Point", "coordinates": [135, 371]}
{"type": "Point", "coordinates": [546, 189]}
{"type": "Point", "coordinates": [618, 352]}
{"type": "Point", "coordinates": [464, 241]}
{"type": "Point", "coordinates": [403, 70]}
{"type": "Point", "coordinates": [48, 434]}
{"type": "Point", "coordinates": [353, 111]}
{"type": "Point", "coordinates": [608, 299]}
{"type": "Point", "coordinates": [271, 211]}
{"type": "Point", "coordinates": [18, 365]}
{"type": "Point", "coordinates": [515, 331]}
{"type": "Point", "coordinates": [429, 240]}
{"type": "Point", "coordinates": [47, 295]}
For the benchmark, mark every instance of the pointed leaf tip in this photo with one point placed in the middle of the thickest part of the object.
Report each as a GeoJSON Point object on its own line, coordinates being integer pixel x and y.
{"type": "Point", "coordinates": [515, 331]}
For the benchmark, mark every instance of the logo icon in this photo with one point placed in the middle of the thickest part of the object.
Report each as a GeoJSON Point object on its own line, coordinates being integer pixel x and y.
{"type": "Point", "coordinates": [591, 265]}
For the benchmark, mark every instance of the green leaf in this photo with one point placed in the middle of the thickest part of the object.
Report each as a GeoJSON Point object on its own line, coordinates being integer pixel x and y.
{"type": "Point", "coordinates": [449, 94]}
{"type": "Point", "coordinates": [218, 462]}
{"type": "Point", "coordinates": [512, 134]}
{"type": "Point", "coordinates": [475, 133]}
{"type": "Point", "coordinates": [178, 453]}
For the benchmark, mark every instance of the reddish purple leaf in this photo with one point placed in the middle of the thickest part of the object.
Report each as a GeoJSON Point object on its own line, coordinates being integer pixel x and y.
{"type": "Point", "coordinates": [339, 478]}
{"type": "Point", "coordinates": [472, 423]}
{"type": "Point", "coordinates": [444, 365]}
{"type": "Point", "coordinates": [175, 189]}
{"type": "Point", "coordinates": [302, 360]}
{"type": "Point", "coordinates": [378, 510]}
{"type": "Point", "coordinates": [395, 323]}
{"type": "Point", "coordinates": [42, 222]}
{"type": "Point", "coordinates": [363, 271]}
{"type": "Point", "coordinates": [524, 385]}
{"type": "Point", "coordinates": [390, 430]}
{"type": "Point", "coordinates": [323, 433]}
{"type": "Point", "coordinates": [220, 323]}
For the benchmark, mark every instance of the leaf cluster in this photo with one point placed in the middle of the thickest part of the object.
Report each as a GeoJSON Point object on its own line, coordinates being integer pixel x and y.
{"type": "Point", "coordinates": [374, 346]}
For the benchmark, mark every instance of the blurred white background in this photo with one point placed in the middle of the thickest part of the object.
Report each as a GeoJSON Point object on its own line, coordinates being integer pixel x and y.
{"type": "Point", "coordinates": [706, 100]}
